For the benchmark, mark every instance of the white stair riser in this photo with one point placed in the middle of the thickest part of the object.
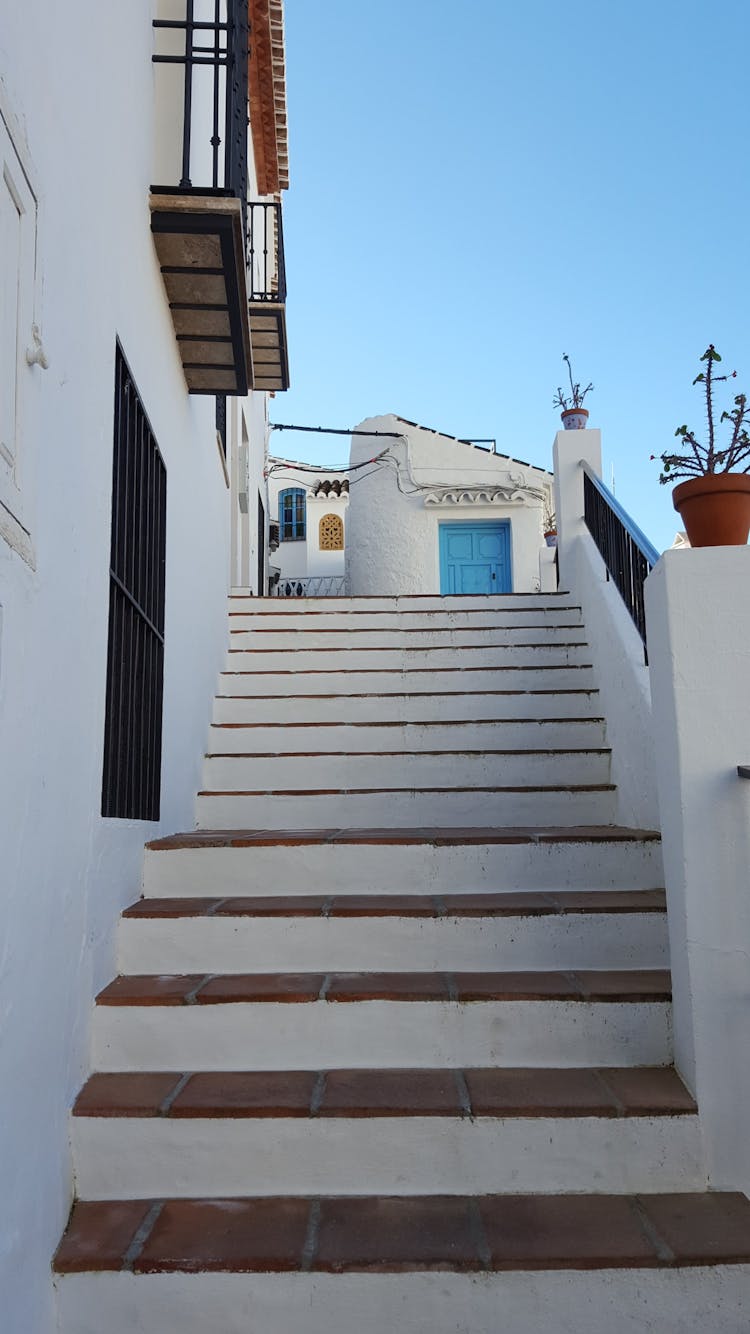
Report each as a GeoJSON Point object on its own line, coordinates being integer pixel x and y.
{"type": "Point", "coordinates": [234, 707]}
{"type": "Point", "coordinates": [147, 1157]}
{"type": "Point", "coordinates": [260, 773]}
{"type": "Point", "coordinates": [407, 809]}
{"type": "Point", "coordinates": [401, 659]}
{"type": "Point", "coordinates": [416, 868]}
{"type": "Point", "coordinates": [399, 640]}
{"type": "Point", "coordinates": [304, 944]}
{"type": "Point", "coordinates": [411, 602]}
{"type": "Point", "coordinates": [288, 618]}
{"type": "Point", "coordinates": [511, 735]}
{"type": "Point", "coordinates": [328, 1035]}
{"type": "Point", "coordinates": [622, 1301]}
{"type": "Point", "coordinates": [294, 681]}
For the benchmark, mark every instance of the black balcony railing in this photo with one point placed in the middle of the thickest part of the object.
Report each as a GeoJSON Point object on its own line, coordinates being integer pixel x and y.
{"type": "Point", "coordinates": [213, 41]}
{"type": "Point", "coordinates": [265, 252]}
{"type": "Point", "coordinates": [628, 556]}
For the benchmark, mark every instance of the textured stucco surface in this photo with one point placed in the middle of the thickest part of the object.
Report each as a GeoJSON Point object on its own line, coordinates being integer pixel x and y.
{"type": "Point", "coordinates": [392, 535]}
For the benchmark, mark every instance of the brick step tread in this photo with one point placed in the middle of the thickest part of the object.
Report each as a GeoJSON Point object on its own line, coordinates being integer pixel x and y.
{"type": "Point", "coordinates": [404, 671]}
{"type": "Point", "coordinates": [424, 648]}
{"type": "Point", "coordinates": [401, 629]}
{"type": "Point", "coordinates": [405, 694]}
{"type": "Point", "coordinates": [568, 1092]}
{"type": "Point", "coordinates": [531, 903]}
{"type": "Point", "coordinates": [388, 1234]}
{"type": "Point", "coordinates": [442, 722]}
{"type": "Point", "coordinates": [404, 754]}
{"type": "Point", "coordinates": [377, 791]}
{"type": "Point", "coordinates": [239, 838]}
{"type": "Point", "coordinates": [609, 986]}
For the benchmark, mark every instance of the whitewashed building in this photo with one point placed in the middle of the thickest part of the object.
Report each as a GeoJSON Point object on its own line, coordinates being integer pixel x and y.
{"type": "Point", "coordinates": [309, 505]}
{"type": "Point", "coordinates": [142, 329]}
{"type": "Point", "coordinates": [425, 1006]}
{"type": "Point", "coordinates": [434, 514]}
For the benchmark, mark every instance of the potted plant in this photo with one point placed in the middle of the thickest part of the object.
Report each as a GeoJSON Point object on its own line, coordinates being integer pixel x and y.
{"type": "Point", "coordinates": [549, 522]}
{"type": "Point", "coordinates": [574, 415]}
{"type": "Point", "coordinates": [714, 503]}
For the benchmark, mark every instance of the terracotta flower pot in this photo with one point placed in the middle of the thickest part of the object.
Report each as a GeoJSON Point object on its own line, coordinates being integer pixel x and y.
{"type": "Point", "coordinates": [715, 509]}
{"type": "Point", "coordinates": [574, 419]}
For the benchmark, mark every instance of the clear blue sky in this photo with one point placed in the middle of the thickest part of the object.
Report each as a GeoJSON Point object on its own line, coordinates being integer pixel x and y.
{"type": "Point", "coordinates": [478, 188]}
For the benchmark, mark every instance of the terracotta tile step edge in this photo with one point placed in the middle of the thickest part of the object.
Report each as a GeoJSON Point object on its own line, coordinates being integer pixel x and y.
{"type": "Point", "coordinates": [609, 987]}
{"type": "Point", "coordinates": [534, 903]}
{"type": "Point", "coordinates": [405, 671]}
{"type": "Point", "coordinates": [406, 1234]}
{"type": "Point", "coordinates": [636, 1091]}
{"type": "Point", "coordinates": [400, 629]}
{"type": "Point", "coordinates": [239, 838]}
{"type": "Point", "coordinates": [405, 694]}
{"type": "Point", "coordinates": [443, 722]}
{"type": "Point", "coordinates": [377, 791]}
{"type": "Point", "coordinates": [401, 754]}
{"type": "Point", "coordinates": [423, 648]}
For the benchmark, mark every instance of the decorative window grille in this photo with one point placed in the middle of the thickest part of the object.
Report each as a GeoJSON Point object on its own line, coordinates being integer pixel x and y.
{"type": "Point", "coordinates": [131, 780]}
{"type": "Point", "coordinates": [331, 533]}
{"type": "Point", "coordinates": [292, 506]}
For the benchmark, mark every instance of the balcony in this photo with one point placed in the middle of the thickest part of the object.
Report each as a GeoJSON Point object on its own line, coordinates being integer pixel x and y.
{"type": "Point", "coordinates": [266, 278]}
{"type": "Point", "coordinates": [199, 219]}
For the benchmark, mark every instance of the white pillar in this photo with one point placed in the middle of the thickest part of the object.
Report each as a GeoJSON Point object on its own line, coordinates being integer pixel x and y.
{"type": "Point", "coordinates": [698, 617]}
{"type": "Point", "coordinates": [569, 448]}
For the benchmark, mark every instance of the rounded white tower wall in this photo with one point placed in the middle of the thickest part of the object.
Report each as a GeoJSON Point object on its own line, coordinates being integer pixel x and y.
{"type": "Point", "coordinates": [397, 506]}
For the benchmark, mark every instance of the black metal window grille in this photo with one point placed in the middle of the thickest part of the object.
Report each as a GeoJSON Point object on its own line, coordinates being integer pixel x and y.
{"type": "Point", "coordinates": [213, 35]}
{"type": "Point", "coordinates": [292, 515]}
{"type": "Point", "coordinates": [265, 252]}
{"type": "Point", "coordinates": [131, 779]}
{"type": "Point", "coordinates": [628, 556]}
{"type": "Point", "coordinates": [221, 421]}
{"type": "Point", "coordinates": [261, 548]}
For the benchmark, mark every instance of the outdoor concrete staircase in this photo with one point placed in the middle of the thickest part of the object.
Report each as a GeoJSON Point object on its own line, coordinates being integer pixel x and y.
{"type": "Point", "coordinates": [390, 1045]}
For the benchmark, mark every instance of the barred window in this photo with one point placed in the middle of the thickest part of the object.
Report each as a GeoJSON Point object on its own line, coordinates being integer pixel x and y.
{"type": "Point", "coordinates": [131, 779]}
{"type": "Point", "coordinates": [331, 533]}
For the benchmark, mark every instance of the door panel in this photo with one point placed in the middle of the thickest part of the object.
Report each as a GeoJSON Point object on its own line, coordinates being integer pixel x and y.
{"type": "Point", "coordinates": [475, 557]}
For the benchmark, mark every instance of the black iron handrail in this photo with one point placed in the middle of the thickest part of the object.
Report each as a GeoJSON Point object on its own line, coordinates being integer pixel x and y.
{"type": "Point", "coordinates": [265, 252]}
{"type": "Point", "coordinates": [628, 555]}
{"type": "Point", "coordinates": [221, 45]}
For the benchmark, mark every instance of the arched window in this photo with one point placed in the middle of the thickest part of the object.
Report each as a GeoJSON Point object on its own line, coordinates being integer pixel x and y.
{"type": "Point", "coordinates": [292, 515]}
{"type": "Point", "coordinates": [331, 533]}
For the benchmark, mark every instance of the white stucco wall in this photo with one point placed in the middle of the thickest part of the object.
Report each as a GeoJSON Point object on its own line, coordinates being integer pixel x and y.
{"type": "Point", "coordinates": [86, 121]}
{"type": "Point", "coordinates": [616, 647]}
{"type": "Point", "coordinates": [299, 558]}
{"type": "Point", "coordinates": [698, 617]}
{"type": "Point", "coordinates": [392, 537]}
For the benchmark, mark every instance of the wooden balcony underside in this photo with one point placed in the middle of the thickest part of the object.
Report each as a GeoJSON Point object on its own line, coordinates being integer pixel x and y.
{"type": "Point", "coordinates": [268, 338]}
{"type": "Point", "coordinates": [199, 242]}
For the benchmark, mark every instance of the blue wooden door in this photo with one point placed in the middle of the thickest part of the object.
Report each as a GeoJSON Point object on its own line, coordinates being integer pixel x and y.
{"type": "Point", "coordinates": [475, 558]}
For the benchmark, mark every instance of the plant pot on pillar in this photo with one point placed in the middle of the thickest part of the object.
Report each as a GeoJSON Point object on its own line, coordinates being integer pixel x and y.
{"type": "Point", "coordinates": [574, 415]}
{"type": "Point", "coordinates": [714, 502]}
